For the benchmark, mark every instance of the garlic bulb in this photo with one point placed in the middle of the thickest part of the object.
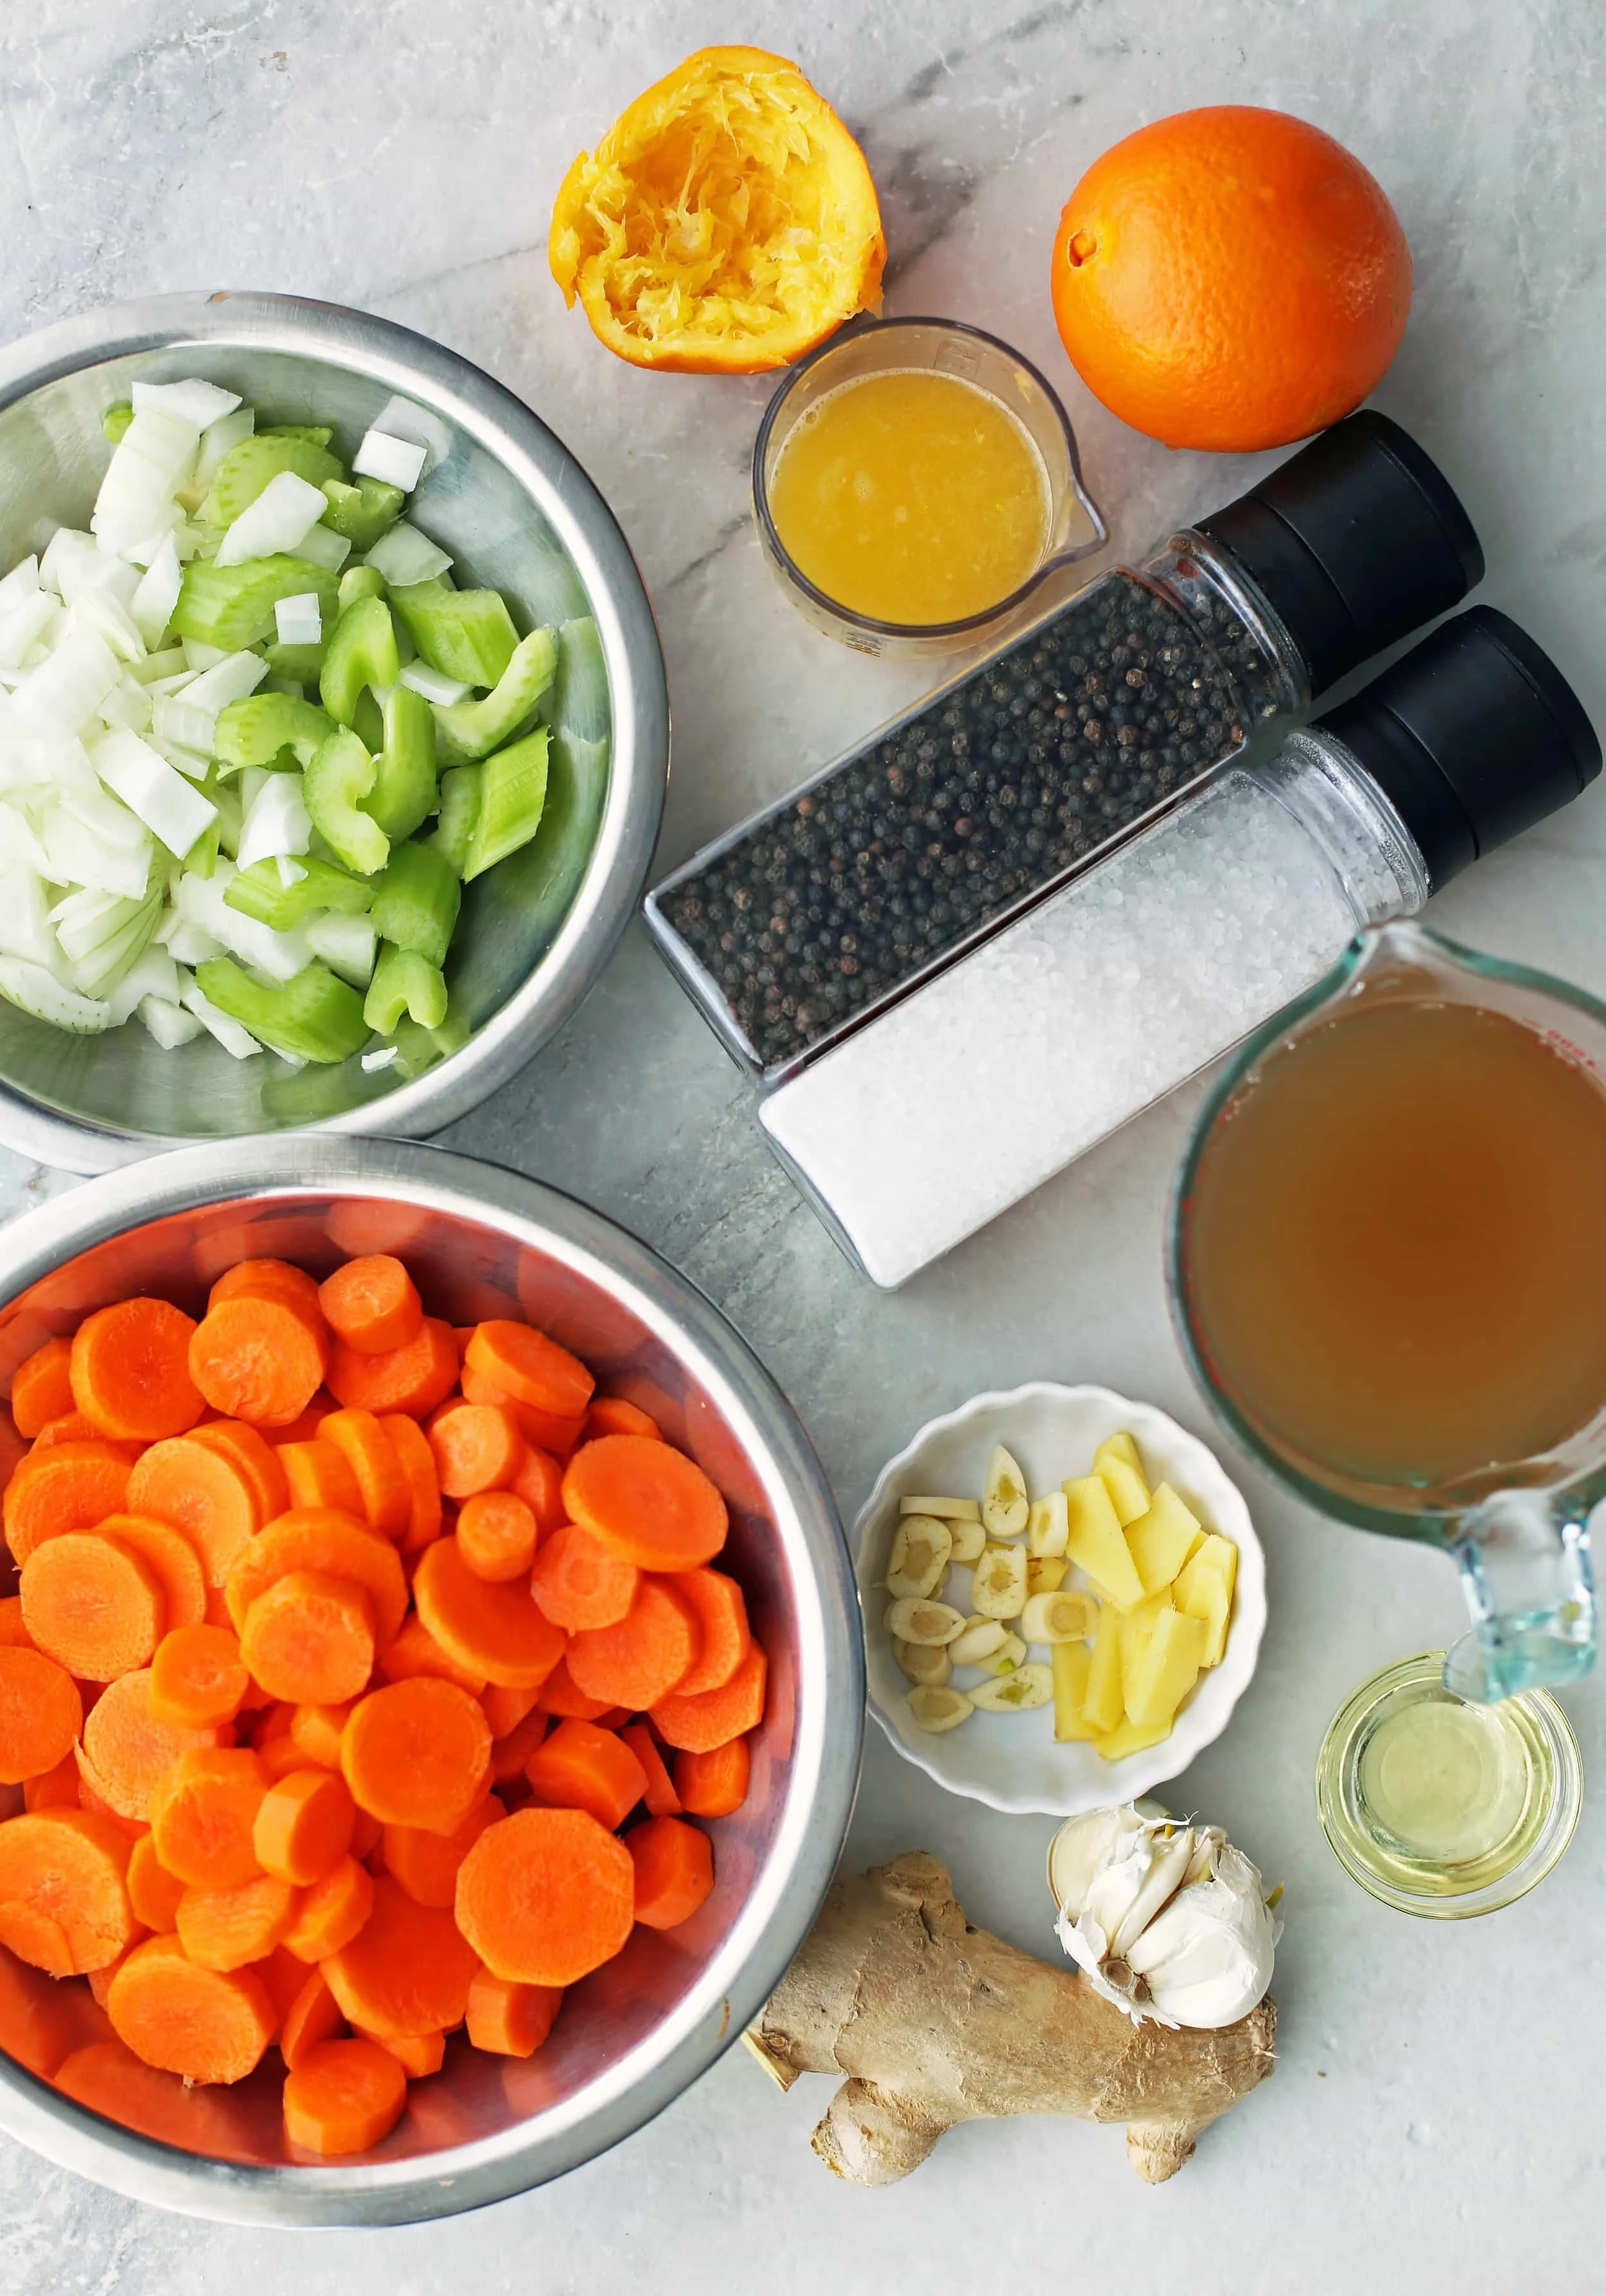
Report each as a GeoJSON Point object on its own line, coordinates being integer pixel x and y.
{"type": "Point", "coordinates": [1168, 1922]}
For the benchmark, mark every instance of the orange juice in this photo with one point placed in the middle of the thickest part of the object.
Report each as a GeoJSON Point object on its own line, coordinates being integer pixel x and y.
{"type": "Point", "coordinates": [911, 497]}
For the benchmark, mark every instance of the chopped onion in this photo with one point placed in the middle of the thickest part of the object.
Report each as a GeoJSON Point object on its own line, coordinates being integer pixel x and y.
{"type": "Point", "coordinates": [65, 692]}
{"type": "Point", "coordinates": [148, 785]}
{"type": "Point", "coordinates": [201, 656]}
{"type": "Point", "coordinates": [381, 1058]}
{"type": "Point", "coordinates": [348, 946]}
{"type": "Point", "coordinates": [39, 993]}
{"type": "Point", "coordinates": [229, 1033]}
{"type": "Point", "coordinates": [25, 929]}
{"type": "Point", "coordinates": [127, 704]}
{"type": "Point", "coordinates": [169, 1024]}
{"type": "Point", "coordinates": [274, 525]}
{"type": "Point", "coordinates": [290, 870]}
{"type": "Point", "coordinates": [189, 716]}
{"type": "Point", "coordinates": [397, 461]}
{"type": "Point", "coordinates": [63, 569]}
{"type": "Point", "coordinates": [277, 822]}
{"type": "Point", "coordinates": [199, 404]}
{"type": "Point", "coordinates": [403, 418]}
{"type": "Point", "coordinates": [152, 973]}
{"type": "Point", "coordinates": [219, 440]}
{"type": "Point", "coordinates": [403, 555]}
{"type": "Point", "coordinates": [102, 612]}
{"type": "Point", "coordinates": [298, 619]}
{"type": "Point", "coordinates": [153, 603]}
{"type": "Point", "coordinates": [151, 460]}
{"type": "Point", "coordinates": [434, 684]}
{"type": "Point", "coordinates": [323, 546]}
{"type": "Point", "coordinates": [75, 856]}
{"type": "Point", "coordinates": [21, 582]}
{"type": "Point", "coordinates": [280, 955]}
{"type": "Point", "coordinates": [22, 843]}
{"type": "Point", "coordinates": [24, 622]}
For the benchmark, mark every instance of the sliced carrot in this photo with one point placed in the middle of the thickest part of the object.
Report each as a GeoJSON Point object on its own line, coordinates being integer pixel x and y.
{"type": "Point", "coordinates": [722, 1618]}
{"type": "Point", "coordinates": [343, 2096]}
{"type": "Point", "coordinates": [555, 1432]}
{"type": "Point", "coordinates": [92, 1604]}
{"type": "Point", "coordinates": [580, 1584]}
{"type": "Point", "coordinates": [611, 1415]}
{"type": "Point", "coordinates": [539, 1483]}
{"type": "Point", "coordinates": [317, 1475]}
{"type": "Point", "coordinates": [303, 1825]}
{"type": "Point", "coordinates": [513, 1749]}
{"type": "Point", "coordinates": [313, 2016]}
{"type": "Point", "coordinates": [128, 1748]}
{"type": "Point", "coordinates": [72, 1427]}
{"type": "Point", "coordinates": [714, 1784]}
{"type": "Point", "coordinates": [198, 1487]}
{"type": "Point", "coordinates": [13, 1632]}
{"type": "Point", "coordinates": [426, 1864]}
{"type": "Point", "coordinates": [495, 1630]}
{"type": "Point", "coordinates": [42, 1387]}
{"type": "Point", "coordinates": [658, 1794]}
{"type": "Point", "coordinates": [416, 1461]}
{"type": "Point", "coordinates": [256, 1459]}
{"type": "Point", "coordinates": [320, 1538]}
{"type": "Point", "coordinates": [306, 1423]}
{"type": "Point", "coordinates": [12, 1448]}
{"type": "Point", "coordinates": [417, 1753]}
{"type": "Point", "coordinates": [279, 1757]}
{"type": "Point", "coordinates": [641, 1659]}
{"type": "Point", "coordinates": [582, 1768]}
{"type": "Point", "coordinates": [202, 1815]}
{"type": "Point", "coordinates": [412, 1378]}
{"type": "Point", "coordinates": [108, 2078]}
{"type": "Point", "coordinates": [130, 1370]}
{"type": "Point", "coordinates": [69, 1487]}
{"type": "Point", "coordinates": [504, 1710]}
{"type": "Point", "coordinates": [415, 1651]}
{"type": "Point", "coordinates": [714, 1717]}
{"type": "Point", "coordinates": [331, 1912]}
{"type": "Point", "coordinates": [408, 1970]}
{"type": "Point", "coordinates": [309, 1638]}
{"type": "Point", "coordinates": [56, 1789]}
{"type": "Point", "coordinates": [197, 1675]}
{"type": "Point", "coordinates": [227, 1929]}
{"type": "Point", "coordinates": [203, 2024]}
{"type": "Point", "coordinates": [372, 1304]}
{"type": "Point", "coordinates": [171, 1560]}
{"type": "Point", "coordinates": [510, 2020]}
{"type": "Point", "coordinates": [477, 1447]}
{"type": "Point", "coordinates": [152, 1892]}
{"type": "Point", "coordinates": [383, 1487]}
{"type": "Point", "coordinates": [495, 1535]}
{"type": "Point", "coordinates": [527, 1365]}
{"type": "Point", "coordinates": [283, 1977]}
{"type": "Point", "coordinates": [561, 1695]}
{"type": "Point", "coordinates": [546, 1896]}
{"type": "Point", "coordinates": [259, 1359]}
{"type": "Point", "coordinates": [41, 1714]}
{"type": "Point", "coordinates": [315, 1732]}
{"type": "Point", "coordinates": [63, 1890]}
{"type": "Point", "coordinates": [418, 2054]}
{"type": "Point", "coordinates": [674, 1866]}
{"type": "Point", "coordinates": [647, 1501]}
{"type": "Point", "coordinates": [368, 1841]}
{"type": "Point", "coordinates": [41, 2022]}
{"type": "Point", "coordinates": [266, 1279]}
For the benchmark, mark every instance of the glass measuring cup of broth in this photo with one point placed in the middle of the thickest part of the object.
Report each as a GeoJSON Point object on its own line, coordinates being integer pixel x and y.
{"type": "Point", "coordinates": [1387, 1266]}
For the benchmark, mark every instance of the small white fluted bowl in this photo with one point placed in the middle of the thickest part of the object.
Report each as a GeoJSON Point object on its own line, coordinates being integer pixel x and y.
{"type": "Point", "coordinates": [1012, 1761]}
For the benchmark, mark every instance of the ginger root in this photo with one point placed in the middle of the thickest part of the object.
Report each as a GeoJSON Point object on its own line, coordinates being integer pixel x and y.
{"type": "Point", "coordinates": [936, 2023]}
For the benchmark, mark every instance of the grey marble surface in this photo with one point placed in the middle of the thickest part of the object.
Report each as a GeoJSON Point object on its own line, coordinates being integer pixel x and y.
{"type": "Point", "coordinates": [1434, 2124]}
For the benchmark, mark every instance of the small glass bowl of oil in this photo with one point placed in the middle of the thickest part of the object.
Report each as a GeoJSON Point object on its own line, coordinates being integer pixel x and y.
{"type": "Point", "coordinates": [915, 482]}
{"type": "Point", "coordinates": [1442, 1807]}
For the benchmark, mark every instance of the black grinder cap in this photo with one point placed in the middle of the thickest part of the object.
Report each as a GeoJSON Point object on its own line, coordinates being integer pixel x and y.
{"type": "Point", "coordinates": [1356, 540]}
{"type": "Point", "coordinates": [1473, 736]}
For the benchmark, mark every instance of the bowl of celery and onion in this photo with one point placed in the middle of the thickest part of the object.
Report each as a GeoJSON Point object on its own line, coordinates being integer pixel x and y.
{"type": "Point", "coordinates": [333, 730]}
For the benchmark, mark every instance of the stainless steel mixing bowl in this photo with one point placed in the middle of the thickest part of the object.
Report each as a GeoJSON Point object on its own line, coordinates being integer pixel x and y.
{"type": "Point", "coordinates": [482, 1241]}
{"type": "Point", "coordinates": [518, 513]}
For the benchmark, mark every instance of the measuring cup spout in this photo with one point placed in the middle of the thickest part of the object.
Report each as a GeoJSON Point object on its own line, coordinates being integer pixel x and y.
{"type": "Point", "coordinates": [1524, 1557]}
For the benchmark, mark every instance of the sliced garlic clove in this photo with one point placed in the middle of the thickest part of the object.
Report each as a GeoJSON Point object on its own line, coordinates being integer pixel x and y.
{"type": "Point", "coordinates": [949, 1510]}
{"type": "Point", "coordinates": [920, 1555]}
{"type": "Point", "coordinates": [968, 1540]}
{"type": "Point", "coordinates": [981, 1637]}
{"type": "Point", "coordinates": [1009, 1655]}
{"type": "Point", "coordinates": [1048, 1525]}
{"type": "Point", "coordinates": [1009, 1694]}
{"type": "Point", "coordinates": [923, 1662]}
{"type": "Point", "coordinates": [931, 1625]}
{"type": "Point", "coordinates": [940, 1710]}
{"type": "Point", "coordinates": [1056, 1618]}
{"type": "Point", "coordinates": [998, 1583]}
{"type": "Point", "coordinates": [1004, 1505]}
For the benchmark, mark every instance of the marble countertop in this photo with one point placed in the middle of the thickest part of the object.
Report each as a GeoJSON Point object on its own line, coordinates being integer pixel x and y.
{"type": "Point", "coordinates": [1434, 2122]}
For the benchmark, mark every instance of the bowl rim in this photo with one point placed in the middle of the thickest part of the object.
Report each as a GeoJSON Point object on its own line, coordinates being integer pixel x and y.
{"type": "Point", "coordinates": [1139, 1774]}
{"type": "Point", "coordinates": [400, 360]}
{"type": "Point", "coordinates": [828, 1727]}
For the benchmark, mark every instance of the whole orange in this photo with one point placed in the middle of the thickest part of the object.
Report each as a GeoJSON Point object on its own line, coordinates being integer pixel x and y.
{"type": "Point", "coordinates": [1230, 278]}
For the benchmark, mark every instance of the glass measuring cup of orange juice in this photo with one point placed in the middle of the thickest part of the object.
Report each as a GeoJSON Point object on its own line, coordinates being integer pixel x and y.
{"type": "Point", "coordinates": [1387, 1264]}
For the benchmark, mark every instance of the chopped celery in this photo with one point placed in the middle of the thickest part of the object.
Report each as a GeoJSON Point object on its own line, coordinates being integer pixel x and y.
{"type": "Point", "coordinates": [253, 732]}
{"type": "Point", "coordinates": [404, 793]}
{"type": "Point", "coordinates": [317, 434]}
{"type": "Point", "coordinates": [315, 1016]}
{"type": "Point", "coordinates": [363, 511]}
{"type": "Point", "coordinates": [246, 469]}
{"type": "Point", "coordinates": [466, 634]}
{"type": "Point", "coordinates": [260, 893]}
{"type": "Point", "coordinates": [405, 982]}
{"type": "Point", "coordinates": [340, 776]}
{"type": "Point", "coordinates": [459, 813]}
{"type": "Point", "coordinates": [369, 723]}
{"type": "Point", "coordinates": [415, 904]}
{"type": "Point", "coordinates": [301, 662]}
{"type": "Point", "coordinates": [512, 794]}
{"type": "Point", "coordinates": [360, 582]}
{"type": "Point", "coordinates": [116, 420]}
{"type": "Point", "coordinates": [361, 651]}
{"type": "Point", "coordinates": [231, 606]}
{"type": "Point", "coordinates": [348, 946]}
{"type": "Point", "coordinates": [469, 729]}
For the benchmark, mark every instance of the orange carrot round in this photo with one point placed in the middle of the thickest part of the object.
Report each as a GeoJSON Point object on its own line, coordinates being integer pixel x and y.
{"type": "Point", "coordinates": [331, 1912]}
{"type": "Point", "coordinates": [92, 1604]}
{"type": "Point", "coordinates": [721, 1611]}
{"type": "Point", "coordinates": [527, 1365]}
{"type": "Point", "coordinates": [384, 1490]}
{"type": "Point", "coordinates": [14, 1448]}
{"type": "Point", "coordinates": [202, 1815]}
{"type": "Point", "coordinates": [130, 1370]}
{"type": "Point", "coordinates": [250, 1451]}
{"type": "Point", "coordinates": [639, 1660]}
{"type": "Point", "coordinates": [714, 1784]}
{"type": "Point", "coordinates": [69, 1487]}
{"type": "Point", "coordinates": [63, 1890]}
{"type": "Point", "coordinates": [200, 1489]}
{"type": "Point", "coordinates": [303, 1825]}
{"type": "Point", "coordinates": [228, 1929]}
{"type": "Point", "coordinates": [204, 2024]}
{"type": "Point", "coordinates": [539, 1483]}
{"type": "Point", "coordinates": [171, 1560]}
{"type": "Point", "coordinates": [259, 1359]}
{"type": "Point", "coordinates": [309, 1638]}
{"type": "Point", "coordinates": [673, 1870]}
{"type": "Point", "coordinates": [508, 2020]}
{"type": "Point", "coordinates": [416, 1461]}
{"type": "Point", "coordinates": [658, 1794]}
{"type": "Point", "coordinates": [611, 1414]}
{"type": "Point", "coordinates": [418, 2054]}
{"type": "Point", "coordinates": [197, 1675]}
{"type": "Point", "coordinates": [552, 1431]}
{"type": "Point", "coordinates": [407, 1970]}
{"type": "Point", "coordinates": [266, 1279]}
{"type": "Point", "coordinates": [546, 1896]}
{"type": "Point", "coordinates": [13, 1632]}
{"type": "Point", "coordinates": [417, 1753]}
{"type": "Point", "coordinates": [313, 2016]}
{"type": "Point", "coordinates": [320, 1538]}
{"type": "Point", "coordinates": [504, 1710]}
{"type": "Point", "coordinates": [152, 1892]}
{"type": "Point", "coordinates": [647, 1501]}
{"type": "Point", "coordinates": [42, 1387]}
{"type": "Point", "coordinates": [412, 1378]}
{"type": "Point", "coordinates": [477, 1447]}
{"type": "Point", "coordinates": [343, 2096]}
{"type": "Point", "coordinates": [415, 1651]}
{"type": "Point", "coordinates": [72, 1427]}
{"type": "Point", "coordinates": [714, 1717]}
{"type": "Point", "coordinates": [318, 1474]}
{"type": "Point", "coordinates": [315, 1732]}
{"type": "Point", "coordinates": [128, 1748]}
{"type": "Point", "coordinates": [426, 1864]}
{"type": "Point", "coordinates": [41, 1714]}
{"type": "Point", "coordinates": [497, 1535]}
{"type": "Point", "coordinates": [497, 1631]}
{"type": "Point", "coordinates": [580, 1584]}
{"type": "Point", "coordinates": [583, 1768]}
{"type": "Point", "coordinates": [512, 1751]}
{"type": "Point", "coordinates": [306, 1423]}
{"type": "Point", "coordinates": [372, 1304]}
{"type": "Point", "coordinates": [54, 1788]}
{"type": "Point", "coordinates": [560, 1695]}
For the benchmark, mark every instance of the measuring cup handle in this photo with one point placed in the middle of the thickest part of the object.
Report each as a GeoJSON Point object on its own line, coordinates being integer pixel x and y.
{"type": "Point", "coordinates": [1525, 1566]}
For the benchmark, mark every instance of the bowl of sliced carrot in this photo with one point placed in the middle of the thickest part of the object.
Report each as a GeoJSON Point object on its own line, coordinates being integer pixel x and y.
{"type": "Point", "coordinates": [431, 1689]}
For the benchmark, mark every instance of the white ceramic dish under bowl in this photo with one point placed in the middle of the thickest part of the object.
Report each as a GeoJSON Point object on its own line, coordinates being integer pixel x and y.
{"type": "Point", "coordinates": [1012, 1761]}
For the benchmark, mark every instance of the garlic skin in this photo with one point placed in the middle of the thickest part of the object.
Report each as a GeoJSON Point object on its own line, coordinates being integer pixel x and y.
{"type": "Point", "coordinates": [1167, 1922]}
